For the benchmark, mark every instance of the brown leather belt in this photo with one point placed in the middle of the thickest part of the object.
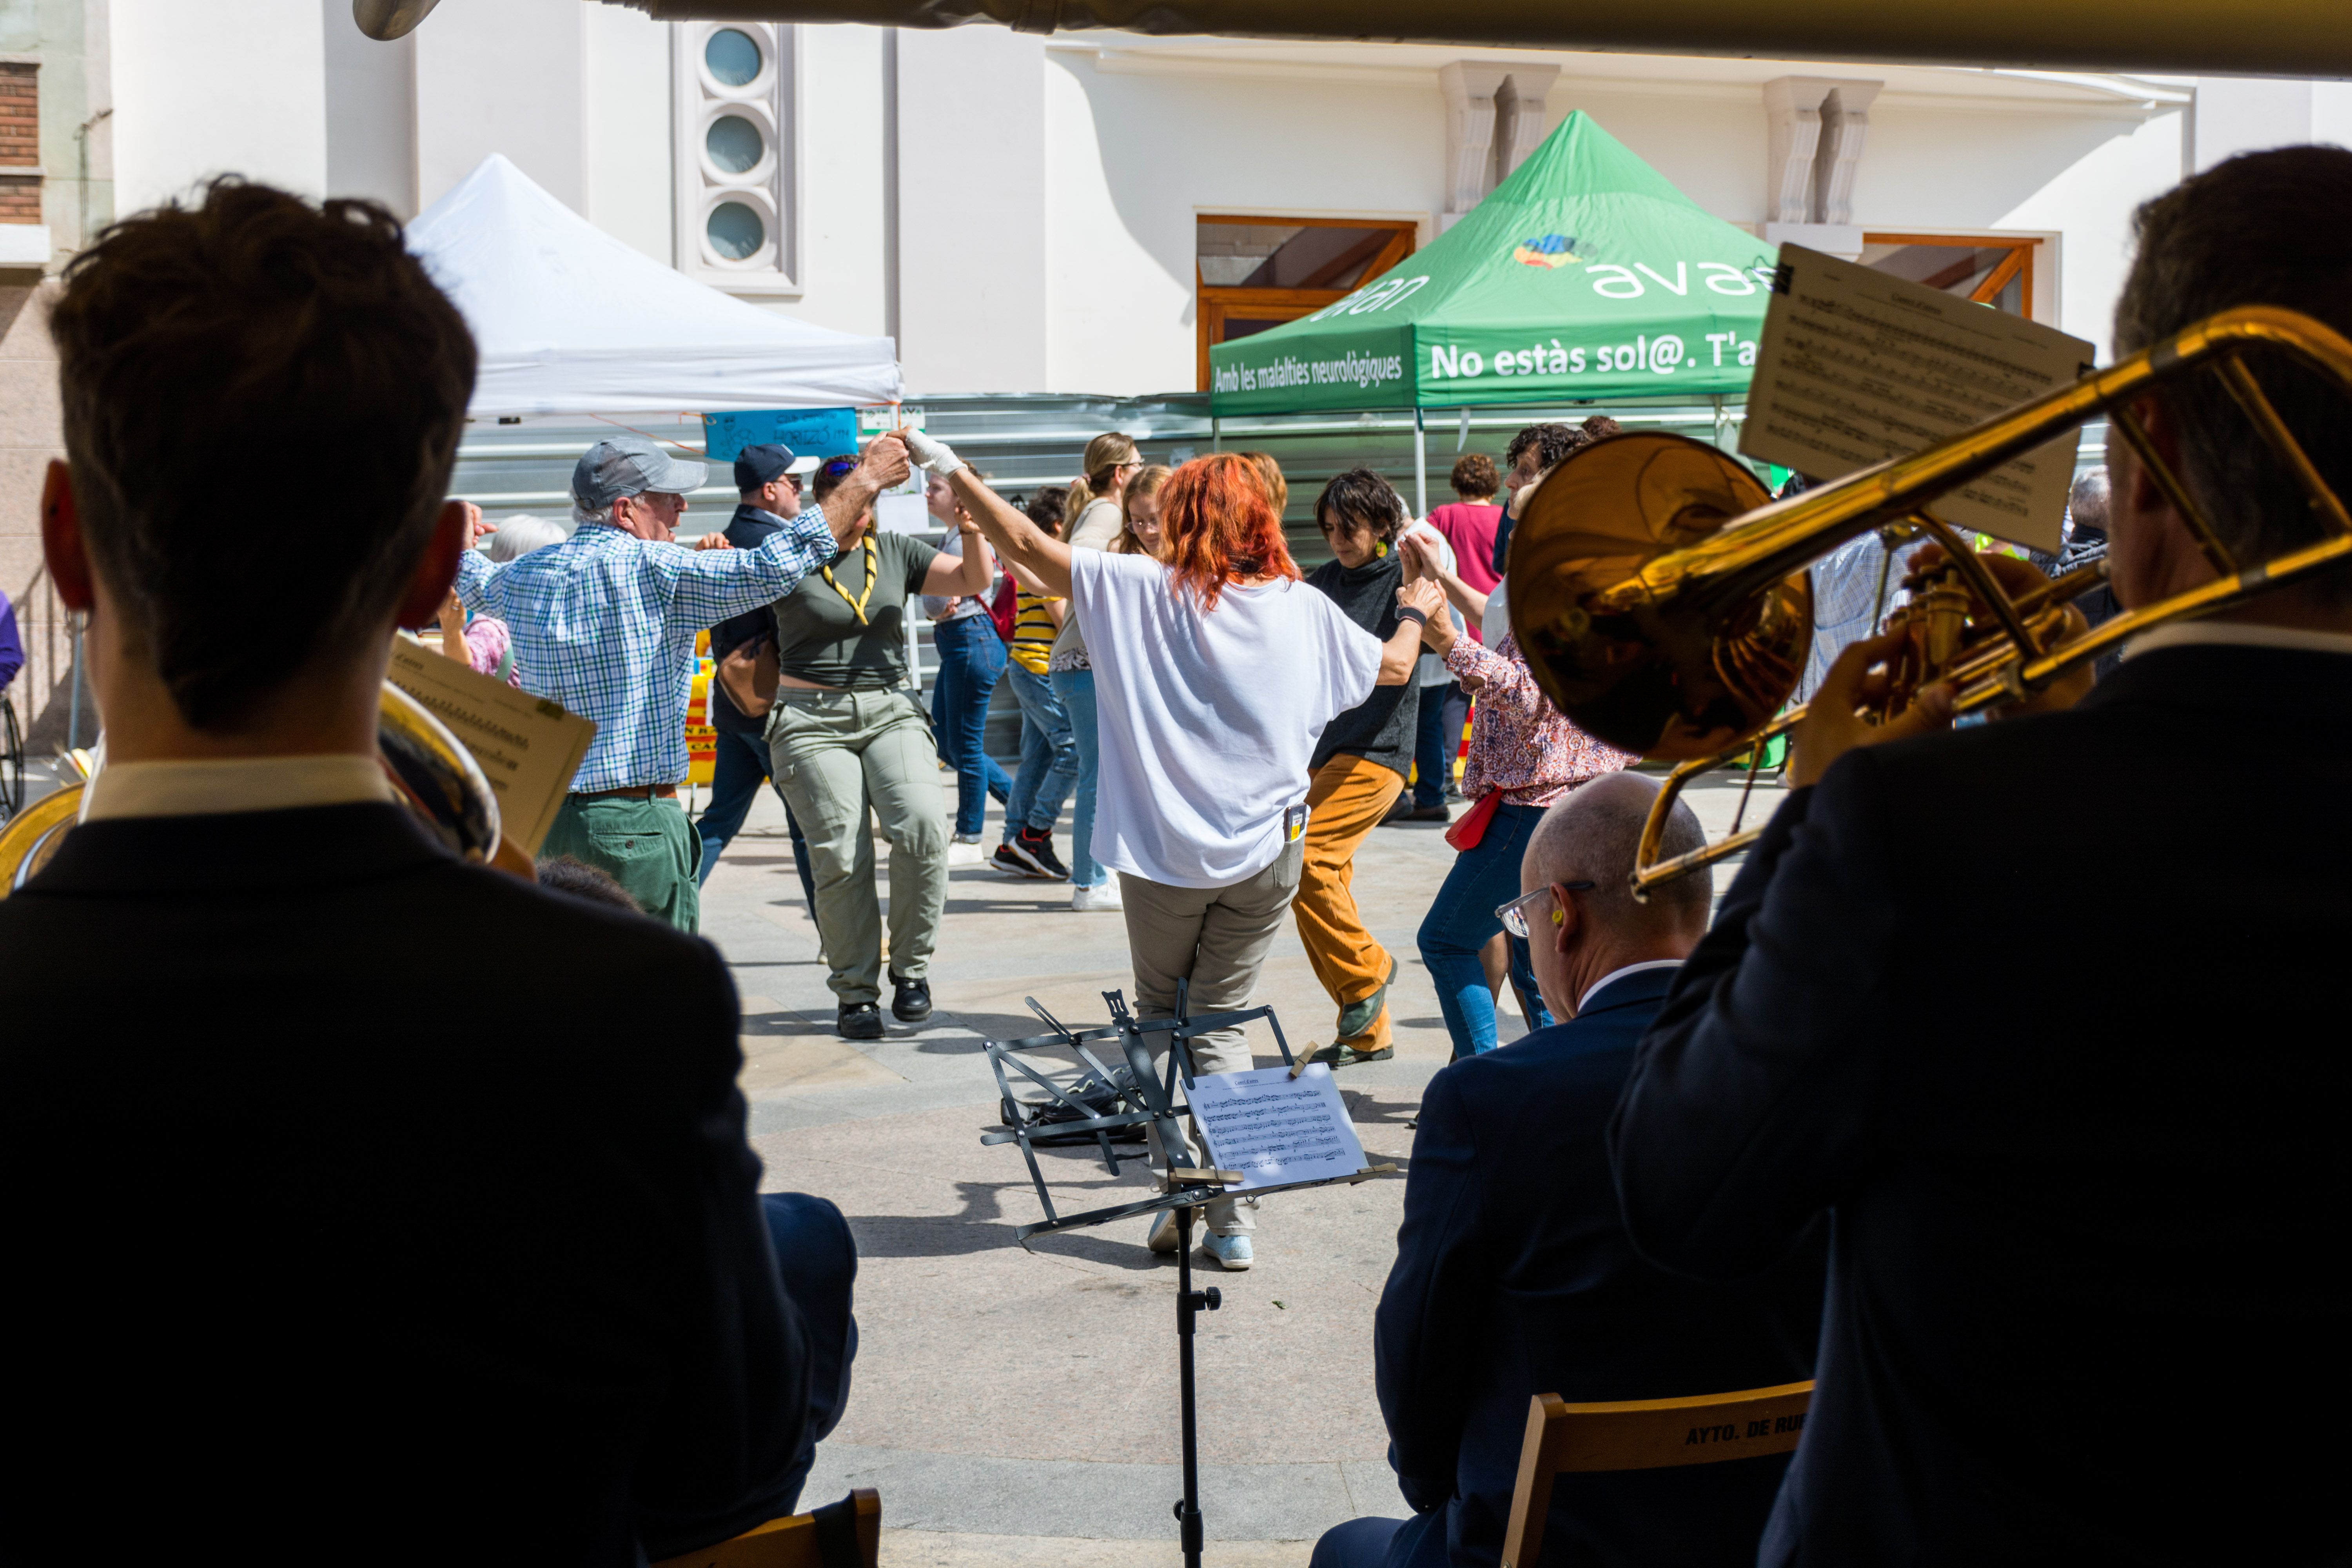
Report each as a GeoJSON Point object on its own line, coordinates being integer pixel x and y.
{"type": "Point", "coordinates": [630, 792]}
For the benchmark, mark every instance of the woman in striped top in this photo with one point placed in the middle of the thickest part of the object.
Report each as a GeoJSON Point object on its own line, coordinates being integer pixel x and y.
{"type": "Point", "coordinates": [1049, 754]}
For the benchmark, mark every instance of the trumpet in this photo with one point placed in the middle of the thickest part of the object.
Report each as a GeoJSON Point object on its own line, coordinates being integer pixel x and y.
{"type": "Point", "coordinates": [1660, 596]}
{"type": "Point", "coordinates": [434, 773]}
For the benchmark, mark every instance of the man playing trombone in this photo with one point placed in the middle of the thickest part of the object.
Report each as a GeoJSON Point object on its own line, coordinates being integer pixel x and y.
{"type": "Point", "coordinates": [2081, 1155]}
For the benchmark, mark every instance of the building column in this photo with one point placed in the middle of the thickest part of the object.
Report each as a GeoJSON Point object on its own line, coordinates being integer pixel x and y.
{"type": "Point", "coordinates": [1817, 126]}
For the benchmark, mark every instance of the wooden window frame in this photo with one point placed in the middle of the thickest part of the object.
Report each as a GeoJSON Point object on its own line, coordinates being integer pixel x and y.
{"type": "Point", "coordinates": [1214, 305]}
{"type": "Point", "coordinates": [2018, 264]}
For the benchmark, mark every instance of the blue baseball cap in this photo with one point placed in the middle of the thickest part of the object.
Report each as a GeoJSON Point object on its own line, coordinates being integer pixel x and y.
{"type": "Point", "coordinates": [760, 465]}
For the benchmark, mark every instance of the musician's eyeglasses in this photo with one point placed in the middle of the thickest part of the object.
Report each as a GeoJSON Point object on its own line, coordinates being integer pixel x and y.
{"type": "Point", "coordinates": [1514, 915]}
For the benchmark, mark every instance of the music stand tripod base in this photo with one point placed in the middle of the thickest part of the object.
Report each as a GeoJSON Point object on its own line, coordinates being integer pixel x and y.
{"type": "Point", "coordinates": [1135, 1095]}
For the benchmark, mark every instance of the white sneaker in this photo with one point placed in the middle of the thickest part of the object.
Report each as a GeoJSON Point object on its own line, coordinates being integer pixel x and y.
{"type": "Point", "coordinates": [1232, 1252]}
{"type": "Point", "coordinates": [1105, 896]}
{"type": "Point", "coordinates": [967, 838]}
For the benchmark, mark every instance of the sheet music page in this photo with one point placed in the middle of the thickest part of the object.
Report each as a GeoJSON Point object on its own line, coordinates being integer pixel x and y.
{"type": "Point", "coordinates": [1276, 1130]}
{"type": "Point", "coordinates": [1858, 365]}
{"type": "Point", "coordinates": [529, 747]}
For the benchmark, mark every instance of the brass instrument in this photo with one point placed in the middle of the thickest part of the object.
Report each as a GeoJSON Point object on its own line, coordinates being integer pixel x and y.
{"type": "Point", "coordinates": [1661, 602]}
{"type": "Point", "coordinates": [435, 774]}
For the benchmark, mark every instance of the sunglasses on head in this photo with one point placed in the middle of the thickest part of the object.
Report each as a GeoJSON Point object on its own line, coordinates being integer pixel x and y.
{"type": "Point", "coordinates": [837, 468]}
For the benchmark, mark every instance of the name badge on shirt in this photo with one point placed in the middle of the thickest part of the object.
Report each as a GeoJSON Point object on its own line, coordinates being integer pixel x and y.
{"type": "Point", "coordinates": [1293, 823]}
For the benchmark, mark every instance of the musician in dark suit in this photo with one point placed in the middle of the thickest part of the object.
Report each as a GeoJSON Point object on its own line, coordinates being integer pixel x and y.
{"type": "Point", "coordinates": [2039, 1011]}
{"type": "Point", "coordinates": [361, 1204]}
{"type": "Point", "coordinates": [1513, 1275]}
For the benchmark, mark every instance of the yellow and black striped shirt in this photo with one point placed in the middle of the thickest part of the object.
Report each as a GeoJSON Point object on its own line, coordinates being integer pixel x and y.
{"type": "Point", "coordinates": [1032, 632]}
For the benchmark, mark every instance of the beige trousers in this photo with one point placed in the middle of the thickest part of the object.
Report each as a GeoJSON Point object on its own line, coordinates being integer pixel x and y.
{"type": "Point", "coordinates": [1217, 939]}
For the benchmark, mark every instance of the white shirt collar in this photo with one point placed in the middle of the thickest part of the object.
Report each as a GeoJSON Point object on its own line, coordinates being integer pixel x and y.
{"type": "Point", "coordinates": [232, 784]}
{"type": "Point", "coordinates": [2237, 634]}
{"type": "Point", "coordinates": [1616, 975]}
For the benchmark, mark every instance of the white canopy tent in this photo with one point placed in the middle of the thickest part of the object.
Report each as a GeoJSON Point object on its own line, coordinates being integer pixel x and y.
{"type": "Point", "coordinates": [571, 320]}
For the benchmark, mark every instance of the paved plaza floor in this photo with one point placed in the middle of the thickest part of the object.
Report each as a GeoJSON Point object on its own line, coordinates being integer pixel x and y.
{"type": "Point", "coordinates": [1020, 1405]}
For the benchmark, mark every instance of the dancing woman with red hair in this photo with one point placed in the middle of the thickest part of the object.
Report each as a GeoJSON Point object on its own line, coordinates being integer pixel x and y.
{"type": "Point", "coordinates": [1215, 670]}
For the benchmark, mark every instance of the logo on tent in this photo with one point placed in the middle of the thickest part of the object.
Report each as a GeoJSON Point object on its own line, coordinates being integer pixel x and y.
{"type": "Point", "coordinates": [1546, 250]}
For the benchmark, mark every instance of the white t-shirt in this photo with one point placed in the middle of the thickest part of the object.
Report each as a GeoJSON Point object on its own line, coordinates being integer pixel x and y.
{"type": "Point", "coordinates": [1207, 721]}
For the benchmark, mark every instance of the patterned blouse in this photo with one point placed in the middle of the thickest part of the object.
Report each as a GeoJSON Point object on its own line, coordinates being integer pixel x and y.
{"type": "Point", "coordinates": [1521, 744]}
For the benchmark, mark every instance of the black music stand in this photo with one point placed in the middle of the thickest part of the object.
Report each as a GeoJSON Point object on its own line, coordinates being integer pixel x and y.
{"type": "Point", "coordinates": [1135, 1095]}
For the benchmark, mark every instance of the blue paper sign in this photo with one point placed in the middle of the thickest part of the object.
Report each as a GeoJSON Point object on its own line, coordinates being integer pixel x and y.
{"type": "Point", "coordinates": [809, 432]}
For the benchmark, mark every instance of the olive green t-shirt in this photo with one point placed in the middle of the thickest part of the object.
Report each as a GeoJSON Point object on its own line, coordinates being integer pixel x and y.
{"type": "Point", "coordinates": [818, 637]}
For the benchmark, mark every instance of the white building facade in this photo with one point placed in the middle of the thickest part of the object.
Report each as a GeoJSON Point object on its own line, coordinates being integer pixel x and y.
{"type": "Point", "coordinates": [1077, 214]}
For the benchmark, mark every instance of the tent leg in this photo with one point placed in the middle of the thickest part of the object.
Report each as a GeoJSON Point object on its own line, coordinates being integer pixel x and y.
{"type": "Point", "coordinates": [1216, 433]}
{"type": "Point", "coordinates": [1420, 466]}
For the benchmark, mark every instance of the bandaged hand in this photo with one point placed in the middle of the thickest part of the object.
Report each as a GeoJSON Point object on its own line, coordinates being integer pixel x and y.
{"type": "Point", "coordinates": [931, 453]}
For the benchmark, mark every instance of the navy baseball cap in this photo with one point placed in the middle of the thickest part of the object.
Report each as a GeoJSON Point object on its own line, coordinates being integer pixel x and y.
{"type": "Point", "coordinates": [760, 464]}
{"type": "Point", "coordinates": [630, 466]}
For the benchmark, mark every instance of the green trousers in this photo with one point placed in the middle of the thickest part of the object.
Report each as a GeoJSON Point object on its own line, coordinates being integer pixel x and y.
{"type": "Point", "coordinates": [834, 755]}
{"type": "Point", "coordinates": [646, 846]}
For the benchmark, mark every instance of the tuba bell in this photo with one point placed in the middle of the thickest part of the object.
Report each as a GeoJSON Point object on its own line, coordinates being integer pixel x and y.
{"type": "Point", "coordinates": [1662, 603]}
{"type": "Point", "coordinates": [435, 776]}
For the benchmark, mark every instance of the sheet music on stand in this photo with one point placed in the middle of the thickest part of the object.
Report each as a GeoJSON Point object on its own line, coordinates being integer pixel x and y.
{"type": "Point", "coordinates": [1858, 365]}
{"type": "Point", "coordinates": [1279, 1131]}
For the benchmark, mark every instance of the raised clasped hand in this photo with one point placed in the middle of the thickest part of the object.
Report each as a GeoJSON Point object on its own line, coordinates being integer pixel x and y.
{"type": "Point", "coordinates": [713, 540]}
{"type": "Point", "coordinates": [885, 461]}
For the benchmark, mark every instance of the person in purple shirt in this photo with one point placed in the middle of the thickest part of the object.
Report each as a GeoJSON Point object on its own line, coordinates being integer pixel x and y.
{"type": "Point", "coordinates": [12, 646]}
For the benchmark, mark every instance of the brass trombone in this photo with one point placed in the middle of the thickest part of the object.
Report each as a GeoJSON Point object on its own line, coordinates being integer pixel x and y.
{"type": "Point", "coordinates": [436, 776]}
{"type": "Point", "coordinates": [1660, 598]}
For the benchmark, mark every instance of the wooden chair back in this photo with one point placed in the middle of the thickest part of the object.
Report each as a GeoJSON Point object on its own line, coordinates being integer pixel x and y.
{"type": "Point", "coordinates": [853, 1527]}
{"type": "Point", "coordinates": [1641, 1435]}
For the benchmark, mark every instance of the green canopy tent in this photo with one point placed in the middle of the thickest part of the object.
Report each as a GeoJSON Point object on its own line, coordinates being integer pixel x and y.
{"type": "Point", "coordinates": [1585, 276]}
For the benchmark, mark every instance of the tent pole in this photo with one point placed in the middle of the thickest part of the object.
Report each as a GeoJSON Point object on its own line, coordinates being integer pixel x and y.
{"type": "Point", "coordinates": [1216, 433]}
{"type": "Point", "coordinates": [1420, 466]}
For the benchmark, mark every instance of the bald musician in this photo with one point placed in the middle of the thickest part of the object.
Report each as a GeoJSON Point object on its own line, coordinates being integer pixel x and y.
{"type": "Point", "coordinates": [1513, 1274]}
{"type": "Point", "coordinates": [2044, 1013]}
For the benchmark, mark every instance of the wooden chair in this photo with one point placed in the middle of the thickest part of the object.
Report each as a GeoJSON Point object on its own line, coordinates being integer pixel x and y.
{"type": "Point", "coordinates": [846, 1534]}
{"type": "Point", "coordinates": [1641, 1435]}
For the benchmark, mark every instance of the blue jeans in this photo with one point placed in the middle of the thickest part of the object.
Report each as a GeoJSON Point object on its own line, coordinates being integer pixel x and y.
{"type": "Point", "coordinates": [971, 657]}
{"type": "Point", "coordinates": [1076, 688]}
{"type": "Point", "coordinates": [1049, 755]}
{"type": "Point", "coordinates": [735, 781]}
{"type": "Point", "coordinates": [1438, 737]}
{"type": "Point", "coordinates": [1462, 921]}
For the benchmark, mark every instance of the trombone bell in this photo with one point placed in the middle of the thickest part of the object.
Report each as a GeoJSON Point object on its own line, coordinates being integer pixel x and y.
{"type": "Point", "coordinates": [1645, 657]}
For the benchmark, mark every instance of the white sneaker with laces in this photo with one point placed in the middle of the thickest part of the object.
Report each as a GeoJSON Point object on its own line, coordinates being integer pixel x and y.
{"type": "Point", "coordinates": [1105, 896]}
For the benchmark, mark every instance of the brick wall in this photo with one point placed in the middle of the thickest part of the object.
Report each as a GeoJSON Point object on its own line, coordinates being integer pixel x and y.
{"type": "Point", "coordinates": [20, 115]}
{"type": "Point", "coordinates": [20, 142]}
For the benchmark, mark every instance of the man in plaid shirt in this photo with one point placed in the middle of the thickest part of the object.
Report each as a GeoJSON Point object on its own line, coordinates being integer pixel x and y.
{"type": "Point", "coordinates": [606, 624]}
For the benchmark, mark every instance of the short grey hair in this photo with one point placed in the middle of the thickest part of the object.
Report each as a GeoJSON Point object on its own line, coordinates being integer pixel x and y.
{"type": "Point", "coordinates": [522, 533]}
{"type": "Point", "coordinates": [2263, 228]}
{"type": "Point", "coordinates": [2086, 502]}
{"type": "Point", "coordinates": [1593, 835]}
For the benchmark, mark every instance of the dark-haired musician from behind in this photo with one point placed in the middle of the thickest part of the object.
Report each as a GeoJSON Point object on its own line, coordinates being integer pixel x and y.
{"type": "Point", "coordinates": [297, 1268]}
{"type": "Point", "coordinates": [2029, 1008]}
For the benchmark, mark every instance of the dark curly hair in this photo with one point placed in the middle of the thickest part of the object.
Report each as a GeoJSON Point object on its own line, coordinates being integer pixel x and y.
{"type": "Point", "coordinates": [1369, 499]}
{"type": "Point", "coordinates": [194, 337]}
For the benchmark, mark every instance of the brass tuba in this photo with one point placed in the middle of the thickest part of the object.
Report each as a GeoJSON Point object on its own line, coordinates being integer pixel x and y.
{"type": "Point", "coordinates": [435, 774]}
{"type": "Point", "coordinates": [1661, 602]}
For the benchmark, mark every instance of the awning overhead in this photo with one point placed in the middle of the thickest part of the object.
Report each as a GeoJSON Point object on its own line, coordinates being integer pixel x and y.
{"type": "Point", "coordinates": [1585, 274]}
{"type": "Point", "coordinates": [2254, 37]}
{"type": "Point", "coordinates": [571, 321]}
